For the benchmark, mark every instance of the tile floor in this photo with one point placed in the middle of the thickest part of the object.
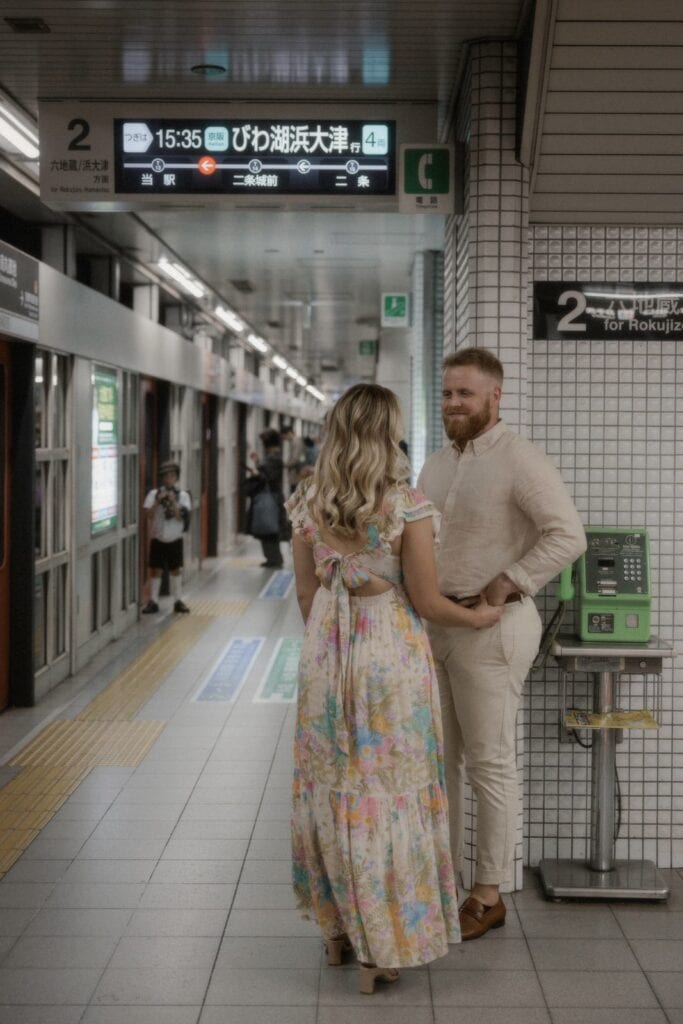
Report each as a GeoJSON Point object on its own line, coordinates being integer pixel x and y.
{"type": "Point", "coordinates": [160, 894]}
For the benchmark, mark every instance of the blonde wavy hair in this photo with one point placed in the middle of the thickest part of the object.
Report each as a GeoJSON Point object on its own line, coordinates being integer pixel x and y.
{"type": "Point", "coordinates": [359, 462]}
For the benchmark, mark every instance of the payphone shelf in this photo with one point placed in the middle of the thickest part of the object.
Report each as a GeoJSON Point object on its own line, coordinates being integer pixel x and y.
{"type": "Point", "coordinates": [567, 645]}
{"type": "Point", "coordinates": [600, 875]}
{"type": "Point", "coordinates": [640, 719]}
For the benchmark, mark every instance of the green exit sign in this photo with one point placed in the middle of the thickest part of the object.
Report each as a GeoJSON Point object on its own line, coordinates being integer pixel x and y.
{"type": "Point", "coordinates": [395, 309]}
{"type": "Point", "coordinates": [366, 347]}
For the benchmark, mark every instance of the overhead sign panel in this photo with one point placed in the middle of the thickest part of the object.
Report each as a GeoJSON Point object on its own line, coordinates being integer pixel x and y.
{"type": "Point", "coordinates": [125, 156]}
{"type": "Point", "coordinates": [271, 157]}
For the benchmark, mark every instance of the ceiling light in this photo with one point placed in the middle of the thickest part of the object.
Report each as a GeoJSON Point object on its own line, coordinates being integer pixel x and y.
{"type": "Point", "coordinates": [301, 380]}
{"type": "Point", "coordinates": [181, 277]}
{"type": "Point", "coordinates": [229, 318]}
{"type": "Point", "coordinates": [208, 70]}
{"type": "Point", "coordinates": [256, 342]}
{"type": "Point", "coordinates": [280, 362]}
{"type": "Point", "coordinates": [28, 25]}
{"type": "Point", "coordinates": [19, 135]}
{"type": "Point", "coordinates": [316, 394]}
{"type": "Point", "coordinates": [291, 372]}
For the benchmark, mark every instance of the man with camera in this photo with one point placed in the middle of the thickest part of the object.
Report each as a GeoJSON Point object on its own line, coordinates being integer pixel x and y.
{"type": "Point", "coordinates": [168, 513]}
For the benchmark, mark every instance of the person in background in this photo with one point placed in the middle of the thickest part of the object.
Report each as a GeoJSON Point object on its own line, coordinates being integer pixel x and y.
{"type": "Point", "coordinates": [168, 512]}
{"type": "Point", "coordinates": [310, 453]}
{"type": "Point", "coordinates": [370, 838]}
{"type": "Point", "coordinates": [294, 454]}
{"type": "Point", "coordinates": [270, 470]}
{"type": "Point", "coordinates": [508, 526]}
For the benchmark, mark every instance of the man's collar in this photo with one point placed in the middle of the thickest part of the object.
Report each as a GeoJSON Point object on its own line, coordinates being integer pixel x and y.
{"type": "Point", "coordinates": [485, 441]}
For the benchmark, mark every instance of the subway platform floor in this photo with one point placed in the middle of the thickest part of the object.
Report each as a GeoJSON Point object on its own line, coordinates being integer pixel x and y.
{"type": "Point", "coordinates": [145, 861]}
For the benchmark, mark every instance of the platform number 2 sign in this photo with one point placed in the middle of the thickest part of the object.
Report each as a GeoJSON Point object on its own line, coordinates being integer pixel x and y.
{"type": "Point", "coordinates": [81, 129]}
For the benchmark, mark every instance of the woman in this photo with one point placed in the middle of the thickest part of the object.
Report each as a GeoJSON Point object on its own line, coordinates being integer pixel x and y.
{"type": "Point", "coordinates": [370, 823]}
{"type": "Point", "coordinates": [270, 472]}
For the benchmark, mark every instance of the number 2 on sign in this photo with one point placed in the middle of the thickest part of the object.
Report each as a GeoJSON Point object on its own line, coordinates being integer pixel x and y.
{"type": "Point", "coordinates": [566, 323]}
{"type": "Point", "coordinates": [82, 128]}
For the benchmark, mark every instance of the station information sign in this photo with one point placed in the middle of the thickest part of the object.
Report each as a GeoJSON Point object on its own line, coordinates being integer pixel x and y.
{"type": "Point", "coordinates": [271, 157]}
{"type": "Point", "coordinates": [140, 154]}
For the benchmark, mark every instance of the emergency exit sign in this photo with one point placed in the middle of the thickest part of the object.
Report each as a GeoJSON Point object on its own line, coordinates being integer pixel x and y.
{"type": "Point", "coordinates": [427, 180]}
{"type": "Point", "coordinates": [395, 311]}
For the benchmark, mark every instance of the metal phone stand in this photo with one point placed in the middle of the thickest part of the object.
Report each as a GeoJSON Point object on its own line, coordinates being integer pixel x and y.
{"type": "Point", "coordinates": [602, 876]}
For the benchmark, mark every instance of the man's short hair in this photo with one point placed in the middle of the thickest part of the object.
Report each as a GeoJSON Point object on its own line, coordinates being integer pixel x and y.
{"type": "Point", "coordinates": [482, 358]}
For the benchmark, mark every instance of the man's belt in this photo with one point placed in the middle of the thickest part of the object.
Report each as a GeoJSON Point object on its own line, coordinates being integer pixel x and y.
{"type": "Point", "coordinates": [516, 596]}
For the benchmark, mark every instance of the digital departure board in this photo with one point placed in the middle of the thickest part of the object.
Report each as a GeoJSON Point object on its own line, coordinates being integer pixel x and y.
{"type": "Point", "coordinates": [259, 157]}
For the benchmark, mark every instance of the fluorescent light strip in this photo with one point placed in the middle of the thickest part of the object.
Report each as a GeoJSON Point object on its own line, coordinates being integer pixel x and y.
{"type": "Point", "coordinates": [280, 362]}
{"type": "Point", "coordinates": [181, 277]}
{"type": "Point", "coordinates": [230, 319]}
{"type": "Point", "coordinates": [17, 135]}
{"type": "Point", "coordinates": [301, 380]}
{"type": "Point", "coordinates": [291, 372]}
{"type": "Point", "coordinates": [256, 342]}
{"type": "Point", "coordinates": [316, 394]}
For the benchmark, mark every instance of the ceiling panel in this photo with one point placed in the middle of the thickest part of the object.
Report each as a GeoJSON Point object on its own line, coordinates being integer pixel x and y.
{"type": "Point", "coordinates": [610, 147]}
{"type": "Point", "coordinates": [314, 276]}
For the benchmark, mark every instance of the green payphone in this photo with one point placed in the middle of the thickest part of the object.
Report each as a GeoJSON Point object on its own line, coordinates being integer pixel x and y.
{"type": "Point", "coordinates": [610, 586]}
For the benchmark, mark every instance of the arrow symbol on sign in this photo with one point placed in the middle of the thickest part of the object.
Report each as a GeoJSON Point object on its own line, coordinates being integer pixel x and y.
{"type": "Point", "coordinates": [206, 165]}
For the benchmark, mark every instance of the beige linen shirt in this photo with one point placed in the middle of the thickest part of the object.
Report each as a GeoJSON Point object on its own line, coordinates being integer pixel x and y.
{"type": "Point", "coordinates": [504, 508]}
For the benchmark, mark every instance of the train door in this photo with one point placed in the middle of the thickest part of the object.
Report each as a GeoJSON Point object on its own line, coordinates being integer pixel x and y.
{"type": "Point", "coordinates": [241, 467]}
{"type": "Point", "coordinates": [4, 522]}
{"type": "Point", "coordinates": [149, 448]}
{"type": "Point", "coordinates": [208, 499]}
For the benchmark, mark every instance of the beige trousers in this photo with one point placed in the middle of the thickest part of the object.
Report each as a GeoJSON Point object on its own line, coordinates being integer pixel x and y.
{"type": "Point", "coordinates": [481, 674]}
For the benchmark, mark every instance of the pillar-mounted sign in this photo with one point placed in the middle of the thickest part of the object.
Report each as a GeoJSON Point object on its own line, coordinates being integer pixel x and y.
{"type": "Point", "coordinates": [627, 312]}
{"type": "Point", "coordinates": [395, 309]}
{"type": "Point", "coordinates": [427, 179]}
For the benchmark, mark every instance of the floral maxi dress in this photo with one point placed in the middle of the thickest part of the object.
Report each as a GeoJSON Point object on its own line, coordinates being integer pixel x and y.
{"type": "Point", "coordinates": [371, 856]}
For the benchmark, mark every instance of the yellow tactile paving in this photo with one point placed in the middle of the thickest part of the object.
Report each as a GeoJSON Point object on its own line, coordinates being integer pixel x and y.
{"type": "Point", "coordinates": [123, 698]}
{"type": "Point", "coordinates": [55, 763]}
{"type": "Point", "coordinates": [65, 745]}
{"type": "Point", "coordinates": [244, 562]}
{"type": "Point", "coordinates": [216, 608]}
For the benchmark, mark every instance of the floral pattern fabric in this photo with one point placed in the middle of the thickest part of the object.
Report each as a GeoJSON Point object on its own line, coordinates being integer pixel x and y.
{"type": "Point", "coordinates": [371, 854]}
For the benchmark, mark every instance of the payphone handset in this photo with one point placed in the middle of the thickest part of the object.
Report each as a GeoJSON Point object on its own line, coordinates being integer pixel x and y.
{"type": "Point", "coordinates": [610, 586]}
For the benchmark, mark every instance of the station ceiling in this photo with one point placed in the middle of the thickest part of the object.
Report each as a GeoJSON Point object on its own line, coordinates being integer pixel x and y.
{"type": "Point", "coordinates": [606, 143]}
{"type": "Point", "coordinates": [310, 283]}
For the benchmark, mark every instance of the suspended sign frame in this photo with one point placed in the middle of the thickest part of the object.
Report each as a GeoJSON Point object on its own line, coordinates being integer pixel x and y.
{"type": "Point", "coordinates": [118, 156]}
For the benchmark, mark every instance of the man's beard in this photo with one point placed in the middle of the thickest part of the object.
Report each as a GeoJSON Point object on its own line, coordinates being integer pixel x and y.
{"type": "Point", "coordinates": [464, 428]}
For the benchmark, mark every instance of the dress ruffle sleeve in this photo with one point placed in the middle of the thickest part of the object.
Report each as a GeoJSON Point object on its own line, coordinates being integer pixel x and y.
{"type": "Point", "coordinates": [409, 505]}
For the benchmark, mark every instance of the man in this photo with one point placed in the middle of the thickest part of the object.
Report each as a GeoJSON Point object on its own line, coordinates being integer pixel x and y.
{"type": "Point", "coordinates": [508, 526]}
{"type": "Point", "coordinates": [168, 512]}
{"type": "Point", "coordinates": [295, 458]}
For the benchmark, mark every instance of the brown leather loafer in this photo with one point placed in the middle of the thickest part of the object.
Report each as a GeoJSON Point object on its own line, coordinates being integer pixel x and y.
{"type": "Point", "coordinates": [476, 919]}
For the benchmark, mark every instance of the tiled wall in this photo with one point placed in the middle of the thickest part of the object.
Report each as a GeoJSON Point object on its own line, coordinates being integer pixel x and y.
{"type": "Point", "coordinates": [607, 413]}
{"type": "Point", "coordinates": [486, 268]}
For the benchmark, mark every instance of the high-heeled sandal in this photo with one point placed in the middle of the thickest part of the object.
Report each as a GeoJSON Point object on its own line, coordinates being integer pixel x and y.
{"type": "Point", "coordinates": [336, 949]}
{"type": "Point", "coordinates": [369, 974]}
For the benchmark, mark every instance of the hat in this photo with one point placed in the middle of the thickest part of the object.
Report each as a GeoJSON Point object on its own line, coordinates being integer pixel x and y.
{"type": "Point", "coordinates": [169, 466]}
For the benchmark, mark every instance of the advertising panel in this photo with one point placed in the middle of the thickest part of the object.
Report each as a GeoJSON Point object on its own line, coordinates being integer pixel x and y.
{"type": "Point", "coordinates": [105, 451]}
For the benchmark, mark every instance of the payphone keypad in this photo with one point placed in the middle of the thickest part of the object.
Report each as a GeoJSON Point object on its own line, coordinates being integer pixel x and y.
{"type": "Point", "coordinates": [616, 564]}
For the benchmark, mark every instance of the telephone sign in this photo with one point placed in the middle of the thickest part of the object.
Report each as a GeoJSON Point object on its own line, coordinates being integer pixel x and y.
{"type": "Point", "coordinates": [427, 179]}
